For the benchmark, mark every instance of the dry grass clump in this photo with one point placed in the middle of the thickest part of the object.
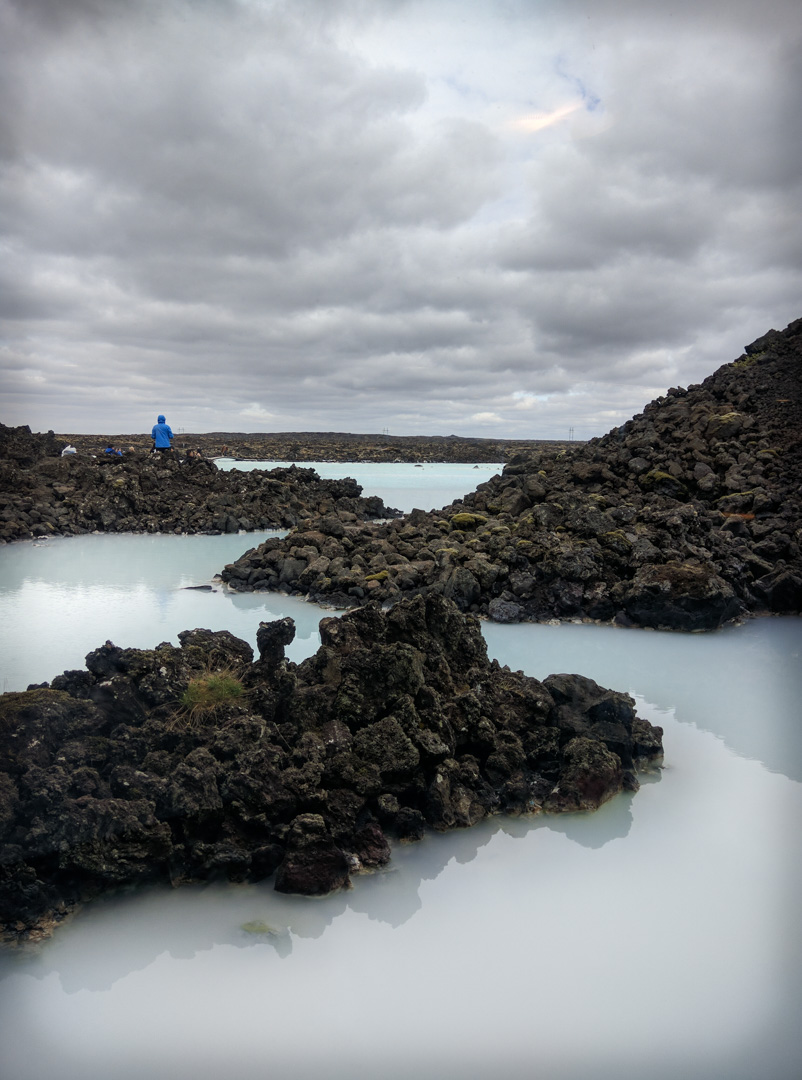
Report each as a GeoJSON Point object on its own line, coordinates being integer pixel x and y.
{"type": "Point", "coordinates": [207, 694]}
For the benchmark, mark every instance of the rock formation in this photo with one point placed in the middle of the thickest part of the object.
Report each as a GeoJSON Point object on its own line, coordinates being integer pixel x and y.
{"type": "Point", "coordinates": [44, 494]}
{"type": "Point", "coordinates": [686, 517]}
{"type": "Point", "coordinates": [182, 763]}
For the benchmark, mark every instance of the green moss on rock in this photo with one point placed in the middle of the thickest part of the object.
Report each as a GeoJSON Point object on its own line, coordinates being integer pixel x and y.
{"type": "Point", "coordinates": [467, 521]}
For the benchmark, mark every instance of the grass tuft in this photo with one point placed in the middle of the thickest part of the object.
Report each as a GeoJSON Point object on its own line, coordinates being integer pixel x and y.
{"type": "Point", "coordinates": [208, 693]}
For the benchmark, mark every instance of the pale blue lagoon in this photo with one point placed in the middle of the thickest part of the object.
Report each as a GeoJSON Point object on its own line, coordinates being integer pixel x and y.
{"type": "Point", "coordinates": [659, 936]}
{"type": "Point", "coordinates": [402, 485]}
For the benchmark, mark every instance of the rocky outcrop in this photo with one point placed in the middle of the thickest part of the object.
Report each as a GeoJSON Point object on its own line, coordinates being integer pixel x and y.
{"type": "Point", "coordinates": [686, 517]}
{"type": "Point", "coordinates": [43, 494]}
{"type": "Point", "coordinates": [182, 763]}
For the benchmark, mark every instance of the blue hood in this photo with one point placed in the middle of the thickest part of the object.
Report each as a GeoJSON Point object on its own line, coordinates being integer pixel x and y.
{"type": "Point", "coordinates": [159, 419]}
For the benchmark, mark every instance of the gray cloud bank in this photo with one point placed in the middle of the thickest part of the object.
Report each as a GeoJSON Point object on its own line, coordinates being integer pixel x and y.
{"type": "Point", "coordinates": [428, 217]}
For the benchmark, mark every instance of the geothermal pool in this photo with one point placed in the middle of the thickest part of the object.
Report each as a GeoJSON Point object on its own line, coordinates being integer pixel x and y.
{"type": "Point", "coordinates": [402, 485]}
{"type": "Point", "coordinates": [658, 936]}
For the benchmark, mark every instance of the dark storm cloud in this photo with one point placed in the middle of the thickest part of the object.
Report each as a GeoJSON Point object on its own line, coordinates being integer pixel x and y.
{"type": "Point", "coordinates": [349, 215]}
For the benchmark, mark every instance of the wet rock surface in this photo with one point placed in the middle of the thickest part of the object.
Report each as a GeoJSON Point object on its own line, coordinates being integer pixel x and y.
{"type": "Point", "coordinates": [43, 494]}
{"type": "Point", "coordinates": [397, 724]}
{"type": "Point", "coordinates": [684, 518]}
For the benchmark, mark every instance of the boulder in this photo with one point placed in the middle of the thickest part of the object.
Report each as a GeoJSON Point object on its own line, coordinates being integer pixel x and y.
{"type": "Point", "coordinates": [678, 596]}
{"type": "Point", "coordinates": [313, 864]}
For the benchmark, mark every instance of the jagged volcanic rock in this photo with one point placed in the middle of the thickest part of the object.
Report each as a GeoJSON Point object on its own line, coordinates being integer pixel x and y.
{"type": "Point", "coordinates": [44, 494]}
{"type": "Point", "coordinates": [399, 722]}
{"type": "Point", "coordinates": [686, 517]}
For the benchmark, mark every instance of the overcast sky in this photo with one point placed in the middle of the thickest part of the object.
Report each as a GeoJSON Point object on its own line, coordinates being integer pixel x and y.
{"type": "Point", "coordinates": [507, 218]}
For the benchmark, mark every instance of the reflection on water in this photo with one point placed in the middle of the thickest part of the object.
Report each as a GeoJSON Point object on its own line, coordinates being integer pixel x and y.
{"type": "Point", "coordinates": [185, 922]}
{"type": "Point", "coordinates": [659, 935]}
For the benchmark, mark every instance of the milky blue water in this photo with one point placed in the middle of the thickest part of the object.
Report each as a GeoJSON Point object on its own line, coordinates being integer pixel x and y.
{"type": "Point", "coordinates": [659, 936]}
{"type": "Point", "coordinates": [402, 485]}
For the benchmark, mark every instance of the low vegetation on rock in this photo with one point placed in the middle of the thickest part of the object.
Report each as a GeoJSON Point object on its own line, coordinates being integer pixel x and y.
{"type": "Point", "coordinates": [208, 694]}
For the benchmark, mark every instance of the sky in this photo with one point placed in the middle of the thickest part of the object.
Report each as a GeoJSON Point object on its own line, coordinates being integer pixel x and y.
{"type": "Point", "coordinates": [508, 219]}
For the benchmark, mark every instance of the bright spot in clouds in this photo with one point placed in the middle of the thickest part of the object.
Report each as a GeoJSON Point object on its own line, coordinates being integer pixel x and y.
{"type": "Point", "coordinates": [537, 121]}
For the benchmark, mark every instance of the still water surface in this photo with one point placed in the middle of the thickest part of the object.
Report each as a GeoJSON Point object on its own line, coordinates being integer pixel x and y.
{"type": "Point", "coordinates": [402, 485]}
{"type": "Point", "coordinates": [659, 936]}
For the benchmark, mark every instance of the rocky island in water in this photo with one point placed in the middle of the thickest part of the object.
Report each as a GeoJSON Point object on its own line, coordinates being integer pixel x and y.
{"type": "Point", "coordinates": [184, 762]}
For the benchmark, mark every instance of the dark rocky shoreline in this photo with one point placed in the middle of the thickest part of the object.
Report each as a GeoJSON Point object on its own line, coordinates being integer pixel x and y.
{"type": "Point", "coordinates": [43, 494]}
{"type": "Point", "coordinates": [397, 724]}
{"type": "Point", "coordinates": [686, 517]}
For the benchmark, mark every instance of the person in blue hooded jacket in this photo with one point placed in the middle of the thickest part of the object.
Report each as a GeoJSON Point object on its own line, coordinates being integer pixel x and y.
{"type": "Point", "coordinates": [162, 435]}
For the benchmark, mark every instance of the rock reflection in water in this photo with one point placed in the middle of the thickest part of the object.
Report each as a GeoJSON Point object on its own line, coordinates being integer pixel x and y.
{"type": "Point", "coordinates": [91, 952]}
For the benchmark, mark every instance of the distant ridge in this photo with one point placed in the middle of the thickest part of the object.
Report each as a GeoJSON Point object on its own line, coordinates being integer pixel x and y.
{"type": "Point", "coordinates": [306, 446]}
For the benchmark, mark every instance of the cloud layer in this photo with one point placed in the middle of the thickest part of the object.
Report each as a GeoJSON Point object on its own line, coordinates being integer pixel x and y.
{"type": "Point", "coordinates": [427, 217]}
